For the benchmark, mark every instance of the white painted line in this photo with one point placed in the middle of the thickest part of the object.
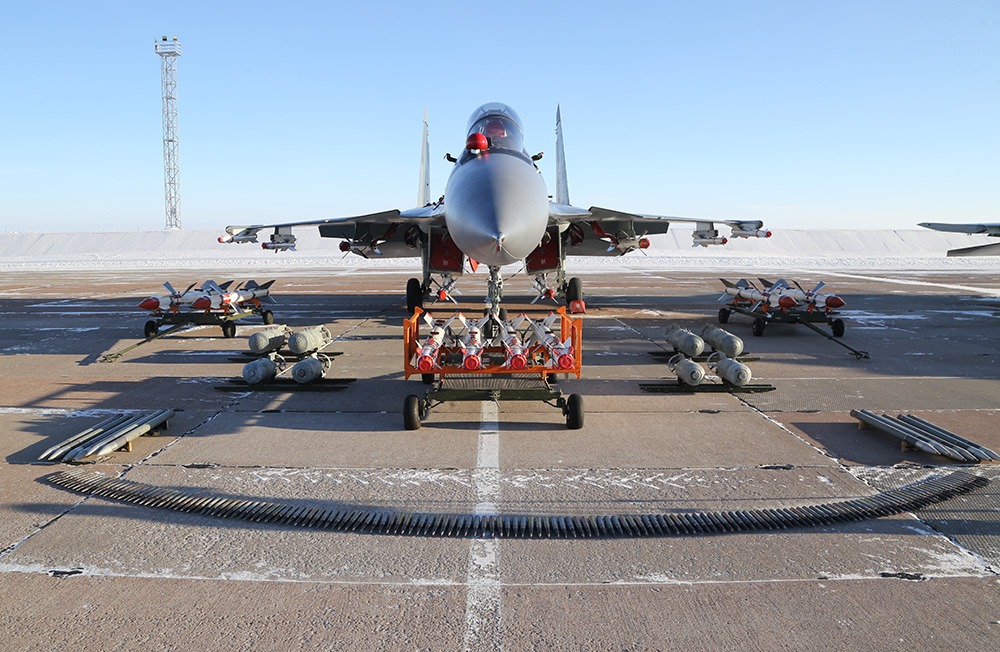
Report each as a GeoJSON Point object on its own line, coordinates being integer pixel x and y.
{"type": "Point", "coordinates": [992, 292]}
{"type": "Point", "coordinates": [482, 597]}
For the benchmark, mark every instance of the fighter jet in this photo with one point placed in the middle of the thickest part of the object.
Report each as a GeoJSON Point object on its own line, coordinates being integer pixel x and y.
{"type": "Point", "coordinates": [990, 229]}
{"type": "Point", "coordinates": [495, 211]}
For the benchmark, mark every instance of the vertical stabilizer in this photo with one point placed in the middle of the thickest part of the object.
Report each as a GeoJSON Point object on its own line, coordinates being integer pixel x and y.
{"type": "Point", "coordinates": [562, 188]}
{"type": "Point", "coordinates": [424, 191]}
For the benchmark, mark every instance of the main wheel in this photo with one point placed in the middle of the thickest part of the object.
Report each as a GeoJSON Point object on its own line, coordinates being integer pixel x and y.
{"type": "Point", "coordinates": [150, 329]}
{"type": "Point", "coordinates": [574, 412]}
{"type": "Point", "coordinates": [229, 329]}
{"type": "Point", "coordinates": [758, 326]}
{"type": "Point", "coordinates": [723, 315]}
{"type": "Point", "coordinates": [838, 327]}
{"type": "Point", "coordinates": [411, 412]}
{"type": "Point", "coordinates": [267, 317]}
{"type": "Point", "coordinates": [574, 290]}
{"type": "Point", "coordinates": [414, 295]}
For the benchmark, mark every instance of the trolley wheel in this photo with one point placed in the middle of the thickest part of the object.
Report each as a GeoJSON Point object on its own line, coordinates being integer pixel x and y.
{"type": "Point", "coordinates": [414, 297]}
{"type": "Point", "coordinates": [228, 329]}
{"type": "Point", "coordinates": [574, 412]}
{"type": "Point", "coordinates": [411, 412]}
{"type": "Point", "coordinates": [724, 315]}
{"type": "Point", "coordinates": [427, 379]}
{"type": "Point", "coordinates": [267, 317]}
{"type": "Point", "coordinates": [758, 326]}
{"type": "Point", "coordinates": [151, 328]}
{"type": "Point", "coordinates": [574, 290]}
{"type": "Point", "coordinates": [838, 327]}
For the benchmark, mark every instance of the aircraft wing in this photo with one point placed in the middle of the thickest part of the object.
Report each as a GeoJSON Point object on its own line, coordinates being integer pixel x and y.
{"type": "Point", "coordinates": [282, 238]}
{"type": "Point", "coordinates": [704, 234]}
{"type": "Point", "coordinates": [988, 228]}
{"type": "Point", "coordinates": [992, 229]}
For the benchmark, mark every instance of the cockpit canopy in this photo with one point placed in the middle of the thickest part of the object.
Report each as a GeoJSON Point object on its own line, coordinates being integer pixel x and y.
{"type": "Point", "coordinates": [500, 124]}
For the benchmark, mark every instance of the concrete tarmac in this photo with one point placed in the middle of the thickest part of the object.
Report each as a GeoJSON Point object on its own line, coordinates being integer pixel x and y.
{"type": "Point", "coordinates": [92, 573]}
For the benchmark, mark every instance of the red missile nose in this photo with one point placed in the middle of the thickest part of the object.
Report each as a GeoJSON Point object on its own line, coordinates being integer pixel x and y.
{"type": "Point", "coordinates": [222, 239]}
{"type": "Point", "coordinates": [425, 363]}
{"type": "Point", "coordinates": [472, 362]}
{"type": "Point", "coordinates": [152, 303]}
{"type": "Point", "coordinates": [786, 302]}
{"type": "Point", "coordinates": [476, 141]}
{"type": "Point", "coordinates": [833, 301]}
{"type": "Point", "coordinates": [550, 293]}
{"type": "Point", "coordinates": [767, 234]}
{"type": "Point", "coordinates": [577, 307]}
{"type": "Point", "coordinates": [565, 361]}
{"type": "Point", "coordinates": [442, 295]}
{"type": "Point", "coordinates": [518, 362]}
{"type": "Point", "coordinates": [644, 243]}
{"type": "Point", "coordinates": [202, 303]}
{"type": "Point", "coordinates": [345, 246]}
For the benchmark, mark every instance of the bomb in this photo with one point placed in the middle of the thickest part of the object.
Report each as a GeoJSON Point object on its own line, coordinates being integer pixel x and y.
{"type": "Point", "coordinates": [309, 340]}
{"type": "Point", "coordinates": [685, 341]}
{"type": "Point", "coordinates": [268, 340]}
{"type": "Point", "coordinates": [733, 372]}
{"type": "Point", "coordinates": [259, 371]}
{"type": "Point", "coordinates": [721, 340]}
{"type": "Point", "coordinates": [309, 369]}
{"type": "Point", "coordinates": [688, 371]}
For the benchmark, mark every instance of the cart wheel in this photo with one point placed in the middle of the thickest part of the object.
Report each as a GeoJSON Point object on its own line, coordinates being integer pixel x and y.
{"type": "Point", "coordinates": [574, 412]}
{"type": "Point", "coordinates": [150, 329]}
{"type": "Point", "coordinates": [758, 326]}
{"type": "Point", "coordinates": [427, 379]}
{"type": "Point", "coordinates": [229, 329]}
{"type": "Point", "coordinates": [267, 317]}
{"type": "Point", "coordinates": [411, 412]}
{"type": "Point", "coordinates": [723, 315]}
{"type": "Point", "coordinates": [838, 327]}
{"type": "Point", "coordinates": [414, 297]}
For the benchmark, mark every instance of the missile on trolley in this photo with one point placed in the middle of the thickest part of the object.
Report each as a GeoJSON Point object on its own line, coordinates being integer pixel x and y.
{"type": "Point", "coordinates": [428, 353]}
{"type": "Point", "coordinates": [312, 368]}
{"type": "Point", "coordinates": [744, 291]}
{"type": "Point", "coordinates": [688, 371]}
{"type": "Point", "coordinates": [260, 370]}
{"type": "Point", "coordinates": [720, 340]}
{"type": "Point", "coordinates": [309, 340]}
{"type": "Point", "coordinates": [269, 340]}
{"type": "Point", "coordinates": [175, 300]}
{"type": "Point", "coordinates": [513, 347]}
{"type": "Point", "coordinates": [471, 345]}
{"type": "Point", "coordinates": [219, 299]}
{"type": "Point", "coordinates": [684, 341]}
{"type": "Point", "coordinates": [812, 299]}
{"type": "Point", "coordinates": [731, 371]}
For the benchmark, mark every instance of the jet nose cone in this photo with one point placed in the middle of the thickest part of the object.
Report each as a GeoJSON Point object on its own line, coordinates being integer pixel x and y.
{"type": "Point", "coordinates": [152, 303]}
{"type": "Point", "coordinates": [833, 301]}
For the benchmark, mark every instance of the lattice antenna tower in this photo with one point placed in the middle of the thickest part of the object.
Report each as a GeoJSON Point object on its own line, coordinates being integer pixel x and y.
{"type": "Point", "coordinates": [169, 51]}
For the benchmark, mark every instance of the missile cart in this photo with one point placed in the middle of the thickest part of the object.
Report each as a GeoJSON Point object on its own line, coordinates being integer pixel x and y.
{"type": "Point", "coordinates": [491, 359]}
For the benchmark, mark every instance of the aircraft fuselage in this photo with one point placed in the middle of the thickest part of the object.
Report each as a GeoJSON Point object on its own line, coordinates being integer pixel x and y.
{"type": "Point", "coordinates": [496, 203]}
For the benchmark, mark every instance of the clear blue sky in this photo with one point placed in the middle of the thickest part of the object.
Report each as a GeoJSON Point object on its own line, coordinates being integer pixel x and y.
{"type": "Point", "coordinates": [805, 114]}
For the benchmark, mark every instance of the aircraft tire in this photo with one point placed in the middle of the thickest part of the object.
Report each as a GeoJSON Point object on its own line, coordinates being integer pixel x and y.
{"type": "Point", "coordinates": [723, 315]}
{"type": "Point", "coordinates": [427, 379]}
{"type": "Point", "coordinates": [411, 412]}
{"type": "Point", "coordinates": [838, 327]}
{"type": "Point", "coordinates": [574, 412]}
{"type": "Point", "coordinates": [267, 317]}
{"type": "Point", "coordinates": [758, 326]}
{"type": "Point", "coordinates": [574, 290]}
{"type": "Point", "coordinates": [414, 295]}
{"type": "Point", "coordinates": [150, 329]}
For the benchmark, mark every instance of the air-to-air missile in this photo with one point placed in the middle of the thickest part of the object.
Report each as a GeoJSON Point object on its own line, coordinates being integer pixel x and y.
{"type": "Point", "coordinates": [311, 368]}
{"type": "Point", "coordinates": [688, 371]}
{"type": "Point", "coordinates": [219, 299]}
{"type": "Point", "coordinates": [428, 353]}
{"type": "Point", "coordinates": [176, 300]}
{"type": "Point", "coordinates": [471, 345]}
{"type": "Point", "coordinates": [513, 347]}
{"type": "Point", "coordinates": [744, 291]}
{"type": "Point", "coordinates": [812, 299]}
{"type": "Point", "coordinates": [731, 371]}
{"type": "Point", "coordinates": [309, 340]}
{"type": "Point", "coordinates": [540, 333]}
{"type": "Point", "coordinates": [720, 340]}
{"type": "Point", "coordinates": [684, 341]}
{"type": "Point", "coordinates": [269, 340]}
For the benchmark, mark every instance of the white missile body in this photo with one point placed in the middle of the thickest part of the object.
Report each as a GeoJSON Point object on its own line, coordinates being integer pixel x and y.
{"type": "Point", "coordinates": [811, 299]}
{"type": "Point", "coordinates": [772, 298]}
